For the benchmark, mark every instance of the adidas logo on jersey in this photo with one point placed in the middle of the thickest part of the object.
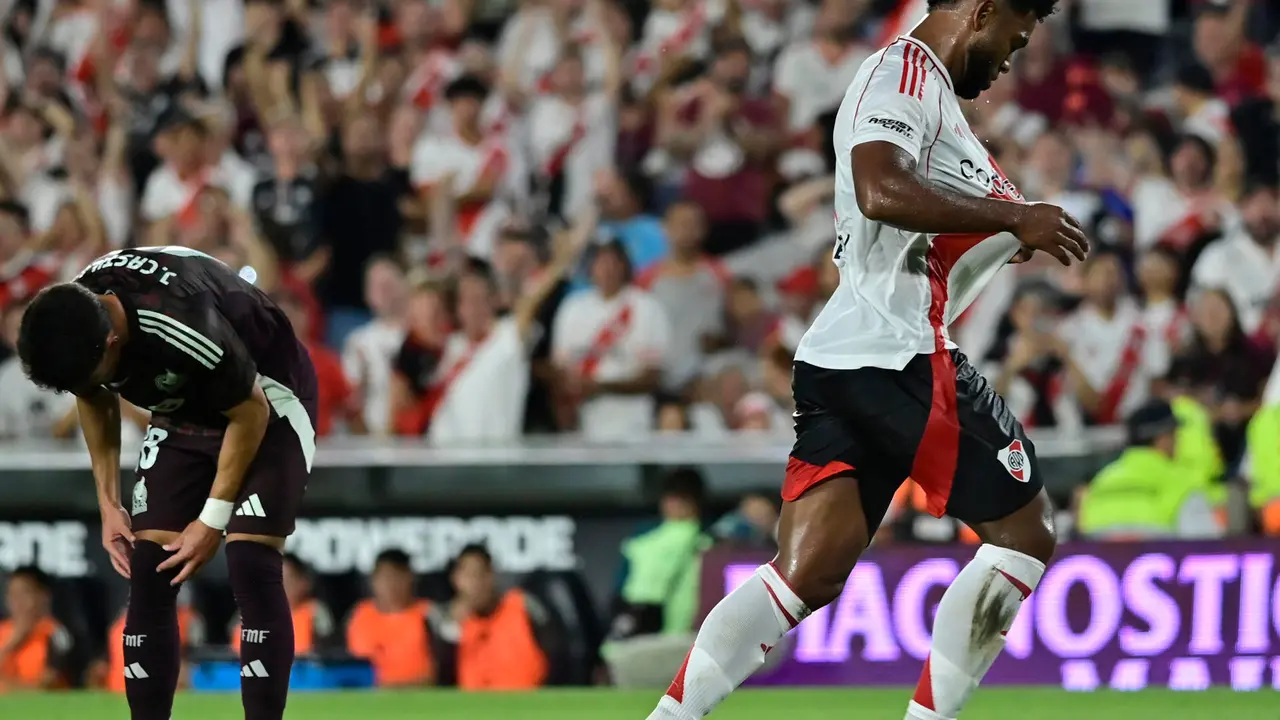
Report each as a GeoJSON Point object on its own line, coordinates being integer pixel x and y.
{"type": "Point", "coordinates": [251, 507]}
{"type": "Point", "coordinates": [254, 669]}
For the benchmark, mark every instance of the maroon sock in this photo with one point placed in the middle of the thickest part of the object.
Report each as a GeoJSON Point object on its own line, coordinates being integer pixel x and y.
{"type": "Point", "coordinates": [151, 660]}
{"type": "Point", "coordinates": [266, 635]}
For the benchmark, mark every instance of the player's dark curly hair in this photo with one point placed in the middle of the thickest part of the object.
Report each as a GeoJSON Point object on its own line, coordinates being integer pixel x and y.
{"type": "Point", "coordinates": [63, 337]}
{"type": "Point", "coordinates": [1042, 8]}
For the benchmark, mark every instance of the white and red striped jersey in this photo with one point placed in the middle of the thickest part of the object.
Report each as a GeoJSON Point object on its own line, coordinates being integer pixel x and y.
{"type": "Point", "coordinates": [900, 289]}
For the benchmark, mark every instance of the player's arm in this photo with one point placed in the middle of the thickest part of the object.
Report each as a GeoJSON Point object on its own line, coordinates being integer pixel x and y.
{"type": "Point", "coordinates": [888, 135]}
{"type": "Point", "coordinates": [99, 411]}
{"type": "Point", "coordinates": [228, 382]}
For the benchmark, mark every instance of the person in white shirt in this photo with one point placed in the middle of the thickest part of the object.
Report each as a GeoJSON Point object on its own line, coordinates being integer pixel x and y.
{"type": "Point", "coordinates": [368, 351]}
{"type": "Point", "coordinates": [26, 410]}
{"type": "Point", "coordinates": [482, 379]}
{"type": "Point", "coordinates": [881, 394]}
{"type": "Point", "coordinates": [610, 345]}
{"type": "Point", "coordinates": [1164, 318]}
{"type": "Point", "coordinates": [1105, 346]}
{"type": "Point", "coordinates": [1184, 207]}
{"type": "Point", "coordinates": [572, 130]}
{"type": "Point", "coordinates": [1246, 263]}
{"type": "Point", "coordinates": [811, 74]}
{"type": "Point", "coordinates": [478, 169]}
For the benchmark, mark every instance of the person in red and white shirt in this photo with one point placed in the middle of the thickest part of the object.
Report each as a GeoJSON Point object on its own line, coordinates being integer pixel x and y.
{"type": "Point", "coordinates": [1164, 318]}
{"type": "Point", "coordinates": [23, 272]}
{"type": "Point", "coordinates": [482, 379]}
{"type": "Point", "coordinates": [1184, 207]}
{"type": "Point", "coordinates": [1246, 263]}
{"type": "Point", "coordinates": [538, 35]}
{"type": "Point", "coordinates": [1105, 346]}
{"type": "Point", "coordinates": [610, 344]}
{"type": "Point", "coordinates": [479, 167]}
{"type": "Point", "coordinates": [572, 130]}
{"type": "Point", "coordinates": [185, 143]}
{"type": "Point", "coordinates": [369, 349]}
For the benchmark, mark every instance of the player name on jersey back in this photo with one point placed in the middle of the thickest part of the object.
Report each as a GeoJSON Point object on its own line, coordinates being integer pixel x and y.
{"type": "Point", "coordinates": [900, 289]}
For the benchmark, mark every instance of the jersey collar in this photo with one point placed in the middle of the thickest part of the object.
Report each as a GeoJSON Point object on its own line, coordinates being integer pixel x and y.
{"type": "Point", "coordinates": [933, 58]}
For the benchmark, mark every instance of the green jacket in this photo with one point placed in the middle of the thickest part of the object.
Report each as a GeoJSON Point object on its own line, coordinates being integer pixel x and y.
{"type": "Point", "coordinates": [1264, 456]}
{"type": "Point", "coordinates": [663, 566]}
{"type": "Point", "coordinates": [1196, 448]}
{"type": "Point", "coordinates": [1143, 489]}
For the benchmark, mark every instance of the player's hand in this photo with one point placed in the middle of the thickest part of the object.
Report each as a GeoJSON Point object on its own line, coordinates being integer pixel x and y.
{"type": "Point", "coordinates": [117, 537]}
{"type": "Point", "coordinates": [1051, 229]}
{"type": "Point", "coordinates": [193, 548]}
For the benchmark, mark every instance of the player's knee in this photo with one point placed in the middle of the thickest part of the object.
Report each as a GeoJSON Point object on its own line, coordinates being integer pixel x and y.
{"type": "Point", "coordinates": [818, 577]}
{"type": "Point", "coordinates": [151, 597]}
{"type": "Point", "coordinates": [1029, 531]}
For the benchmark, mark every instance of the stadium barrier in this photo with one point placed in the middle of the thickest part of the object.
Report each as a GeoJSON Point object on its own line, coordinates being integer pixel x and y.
{"type": "Point", "coordinates": [1181, 615]}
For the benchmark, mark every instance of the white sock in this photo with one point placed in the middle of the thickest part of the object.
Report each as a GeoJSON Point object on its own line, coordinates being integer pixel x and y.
{"type": "Point", "coordinates": [969, 629]}
{"type": "Point", "coordinates": [731, 645]}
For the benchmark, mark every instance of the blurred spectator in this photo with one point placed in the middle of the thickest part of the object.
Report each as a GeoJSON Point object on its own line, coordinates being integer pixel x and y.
{"type": "Point", "coordinates": [690, 286]}
{"type": "Point", "coordinates": [1258, 124]}
{"type": "Point", "coordinates": [415, 364]}
{"type": "Point", "coordinates": [1225, 369]}
{"type": "Point", "coordinates": [359, 219]}
{"type": "Point", "coordinates": [754, 523]}
{"type": "Point", "coordinates": [491, 640]}
{"type": "Point", "coordinates": [36, 652]}
{"type": "Point", "coordinates": [1263, 471]}
{"type": "Point", "coordinates": [610, 344]}
{"type": "Point", "coordinates": [1164, 319]}
{"type": "Point", "coordinates": [28, 411]}
{"type": "Point", "coordinates": [1027, 371]}
{"type": "Point", "coordinates": [109, 673]}
{"type": "Point", "coordinates": [390, 629]}
{"type": "Point", "coordinates": [1220, 42]}
{"type": "Point", "coordinates": [728, 138]}
{"type": "Point", "coordinates": [313, 628]}
{"type": "Point", "coordinates": [658, 582]}
{"type": "Point", "coordinates": [284, 203]}
{"type": "Point", "coordinates": [337, 404]}
{"type": "Point", "coordinates": [1200, 112]}
{"type": "Point", "coordinates": [749, 322]}
{"type": "Point", "coordinates": [812, 74]}
{"type": "Point", "coordinates": [475, 168]}
{"type": "Point", "coordinates": [370, 349]}
{"type": "Point", "coordinates": [573, 128]}
{"type": "Point", "coordinates": [1103, 344]}
{"type": "Point", "coordinates": [23, 272]}
{"type": "Point", "coordinates": [480, 387]}
{"type": "Point", "coordinates": [623, 199]}
{"type": "Point", "coordinates": [1246, 263]}
{"type": "Point", "coordinates": [1186, 206]}
{"type": "Point", "coordinates": [1135, 29]}
{"type": "Point", "coordinates": [1145, 493]}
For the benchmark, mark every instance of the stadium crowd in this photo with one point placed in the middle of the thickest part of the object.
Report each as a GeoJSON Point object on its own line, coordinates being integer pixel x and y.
{"type": "Point", "coordinates": [499, 217]}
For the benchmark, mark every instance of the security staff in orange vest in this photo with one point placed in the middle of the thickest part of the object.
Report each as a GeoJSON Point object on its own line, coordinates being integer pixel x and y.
{"type": "Point", "coordinates": [312, 621]}
{"type": "Point", "coordinates": [35, 650]}
{"type": "Point", "coordinates": [390, 629]}
{"type": "Point", "coordinates": [110, 674]}
{"type": "Point", "coordinates": [489, 640]}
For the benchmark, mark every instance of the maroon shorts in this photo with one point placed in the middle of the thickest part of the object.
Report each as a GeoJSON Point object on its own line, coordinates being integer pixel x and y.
{"type": "Point", "coordinates": [176, 469]}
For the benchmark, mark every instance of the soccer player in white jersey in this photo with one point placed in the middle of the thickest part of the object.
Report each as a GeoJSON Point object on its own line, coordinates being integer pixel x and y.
{"type": "Point", "coordinates": [924, 219]}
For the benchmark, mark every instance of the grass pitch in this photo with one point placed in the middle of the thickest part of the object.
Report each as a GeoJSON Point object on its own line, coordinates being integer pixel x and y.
{"type": "Point", "coordinates": [800, 704]}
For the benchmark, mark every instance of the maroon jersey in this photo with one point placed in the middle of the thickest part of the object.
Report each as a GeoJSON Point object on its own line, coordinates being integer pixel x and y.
{"type": "Point", "coordinates": [200, 336]}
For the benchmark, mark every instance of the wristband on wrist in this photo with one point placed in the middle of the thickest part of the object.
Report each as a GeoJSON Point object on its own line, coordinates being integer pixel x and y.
{"type": "Point", "coordinates": [216, 513]}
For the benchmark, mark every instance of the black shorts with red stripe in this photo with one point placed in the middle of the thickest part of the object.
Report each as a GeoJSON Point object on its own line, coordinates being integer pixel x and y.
{"type": "Point", "coordinates": [937, 421]}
